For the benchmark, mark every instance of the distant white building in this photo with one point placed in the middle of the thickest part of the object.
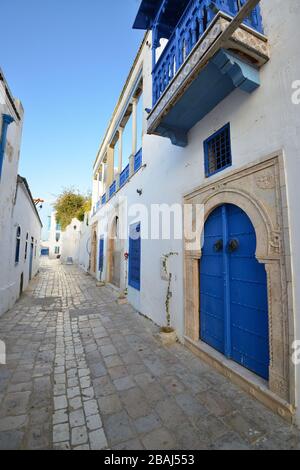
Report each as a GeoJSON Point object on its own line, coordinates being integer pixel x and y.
{"type": "Point", "coordinates": [219, 105]}
{"type": "Point", "coordinates": [54, 242]}
{"type": "Point", "coordinates": [63, 245]}
{"type": "Point", "coordinates": [20, 224]}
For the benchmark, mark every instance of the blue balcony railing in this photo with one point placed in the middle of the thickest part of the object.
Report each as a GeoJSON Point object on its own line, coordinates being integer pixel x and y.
{"type": "Point", "coordinates": [138, 160]}
{"type": "Point", "coordinates": [193, 23]}
{"type": "Point", "coordinates": [112, 189]}
{"type": "Point", "coordinates": [124, 176]}
{"type": "Point", "coordinates": [123, 179]}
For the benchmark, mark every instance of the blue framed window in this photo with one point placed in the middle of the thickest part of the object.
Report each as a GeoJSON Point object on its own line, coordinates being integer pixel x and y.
{"type": "Point", "coordinates": [26, 247]}
{"type": "Point", "coordinates": [217, 151]}
{"type": "Point", "coordinates": [101, 254]}
{"type": "Point", "coordinates": [134, 271]}
{"type": "Point", "coordinates": [18, 245]}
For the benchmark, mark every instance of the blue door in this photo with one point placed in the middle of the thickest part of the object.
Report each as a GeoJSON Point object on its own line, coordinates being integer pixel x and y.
{"type": "Point", "coordinates": [233, 291]}
{"type": "Point", "coordinates": [31, 261]}
{"type": "Point", "coordinates": [101, 254]}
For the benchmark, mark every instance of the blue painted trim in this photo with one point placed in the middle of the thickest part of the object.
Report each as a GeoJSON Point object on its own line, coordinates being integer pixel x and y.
{"type": "Point", "coordinates": [138, 160]}
{"type": "Point", "coordinates": [7, 120]}
{"type": "Point", "coordinates": [124, 176]}
{"type": "Point", "coordinates": [112, 189]}
{"type": "Point", "coordinates": [243, 75]}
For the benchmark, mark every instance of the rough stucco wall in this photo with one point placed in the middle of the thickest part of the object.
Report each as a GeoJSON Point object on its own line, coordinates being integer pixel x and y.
{"type": "Point", "coordinates": [7, 195]}
{"type": "Point", "coordinates": [261, 123]}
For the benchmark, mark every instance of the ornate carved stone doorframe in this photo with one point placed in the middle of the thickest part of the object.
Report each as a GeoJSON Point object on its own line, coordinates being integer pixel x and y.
{"type": "Point", "coordinates": [259, 189]}
{"type": "Point", "coordinates": [110, 248]}
{"type": "Point", "coordinates": [93, 263]}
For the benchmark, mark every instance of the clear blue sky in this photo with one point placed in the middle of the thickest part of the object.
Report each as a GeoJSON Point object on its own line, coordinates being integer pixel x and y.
{"type": "Point", "coordinates": [67, 61]}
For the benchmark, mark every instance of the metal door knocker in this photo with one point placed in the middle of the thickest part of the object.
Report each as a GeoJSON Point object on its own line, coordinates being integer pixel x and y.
{"type": "Point", "coordinates": [233, 245]}
{"type": "Point", "coordinates": [218, 246]}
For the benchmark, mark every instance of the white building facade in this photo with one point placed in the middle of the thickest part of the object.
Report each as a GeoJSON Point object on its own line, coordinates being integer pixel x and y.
{"type": "Point", "coordinates": [20, 224]}
{"type": "Point", "coordinates": [63, 244]}
{"type": "Point", "coordinates": [220, 121]}
{"type": "Point", "coordinates": [54, 242]}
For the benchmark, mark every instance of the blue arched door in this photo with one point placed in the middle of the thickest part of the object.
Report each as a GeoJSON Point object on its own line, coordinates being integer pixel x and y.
{"type": "Point", "coordinates": [233, 291]}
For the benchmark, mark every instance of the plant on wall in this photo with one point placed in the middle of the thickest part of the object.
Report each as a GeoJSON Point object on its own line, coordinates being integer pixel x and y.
{"type": "Point", "coordinates": [168, 328]}
{"type": "Point", "coordinates": [126, 257]}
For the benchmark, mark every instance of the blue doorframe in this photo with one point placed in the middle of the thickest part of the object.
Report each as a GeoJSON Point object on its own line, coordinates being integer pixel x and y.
{"type": "Point", "coordinates": [233, 291]}
{"type": "Point", "coordinates": [31, 261]}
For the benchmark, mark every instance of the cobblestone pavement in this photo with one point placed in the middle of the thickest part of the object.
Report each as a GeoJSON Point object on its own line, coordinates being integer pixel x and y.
{"type": "Point", "coordinates": [85, 373]}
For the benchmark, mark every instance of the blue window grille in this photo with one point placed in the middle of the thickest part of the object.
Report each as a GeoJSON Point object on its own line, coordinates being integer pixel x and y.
{"type": "Point", "coordinates": [112, 189]}
{"type": "Point", "coordinates": [138, 158]}
{"type": "Point", "coordinates": [134, 271]}
{"type": "Point", "coordinates": [101, 254]}
{"type": "Point", "coordinates": [124, 176]}
{"type": "Point", "coordinates": [58, 227]}
{"type": "Point", "coordinates": [18, 245]}
{"type": "Point", "coordinates": [103, 199]}
{"type": "Point", "coordinates": [217, 151]}
{"type": "Point", "coordinates": [6, 121]}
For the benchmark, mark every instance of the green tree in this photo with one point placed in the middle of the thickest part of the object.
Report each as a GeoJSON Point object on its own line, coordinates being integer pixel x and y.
{"type": "Point", "coordinates": [70, 204]}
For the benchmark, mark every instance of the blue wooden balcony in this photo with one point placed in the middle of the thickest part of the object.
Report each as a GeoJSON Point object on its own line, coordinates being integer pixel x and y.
{"type": "Point", "coordinates": [186, 87]}
{"type": "Point", "coordinates": [194, 22]}
{"type": "Point", "coordinates": [112, 189]}
{"type": "Point", "coordinates": [138, 160]}
{"type": "Point", "coordinates": [124, 176]}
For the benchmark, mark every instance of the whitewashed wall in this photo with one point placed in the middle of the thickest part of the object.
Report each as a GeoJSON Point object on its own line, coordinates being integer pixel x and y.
{"type": "Point", "coordinates": [261, 123]}
{"type": "Point", "coordinates": [85, 244]}
{"type": "Point", "coordinates": [24, 215]}
{"type": "Point", "coordinates": [70, 241]}
{"type": "Point", "coordinates": [8, 183]}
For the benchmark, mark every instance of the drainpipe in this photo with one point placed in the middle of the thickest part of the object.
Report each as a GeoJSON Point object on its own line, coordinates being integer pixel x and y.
{"type": "Point", "coordinates": [7, 120]}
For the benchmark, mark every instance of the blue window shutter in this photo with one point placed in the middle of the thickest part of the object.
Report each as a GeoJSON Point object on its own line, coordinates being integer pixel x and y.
{"type": "Point", "coordinates": [18, 245]}
{"type": "Point", "coordinates": [7, 120]}
{"type": "Point", "coordinates": [101, 254]}
{"type": "Point", "coordinates": [134, 278]}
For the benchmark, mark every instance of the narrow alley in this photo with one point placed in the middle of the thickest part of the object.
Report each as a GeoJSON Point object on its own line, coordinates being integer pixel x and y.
{"type": "Point", "coordinates": [85, 373]}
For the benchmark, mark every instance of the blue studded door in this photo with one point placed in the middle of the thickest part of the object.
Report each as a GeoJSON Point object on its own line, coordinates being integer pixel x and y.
{"type": "Point", "coordinates": [233, 291]}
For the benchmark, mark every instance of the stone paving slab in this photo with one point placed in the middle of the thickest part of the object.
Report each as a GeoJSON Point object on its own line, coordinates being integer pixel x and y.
{"type": "Point", "coordinates": [86, 373]}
